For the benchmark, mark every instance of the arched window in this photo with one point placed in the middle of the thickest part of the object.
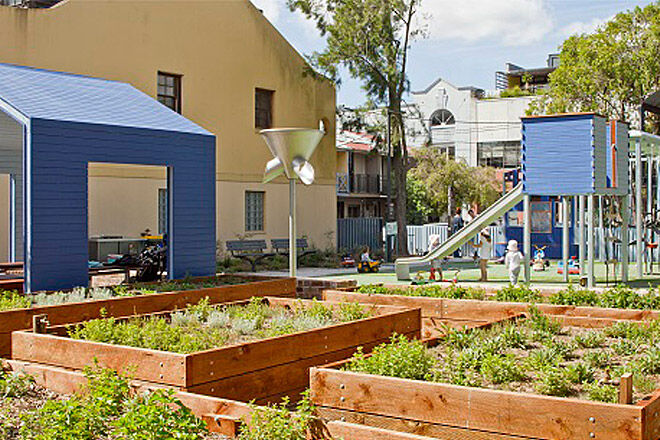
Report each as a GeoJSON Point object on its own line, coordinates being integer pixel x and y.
{"type": "Point", "coordinates": [442, 117]}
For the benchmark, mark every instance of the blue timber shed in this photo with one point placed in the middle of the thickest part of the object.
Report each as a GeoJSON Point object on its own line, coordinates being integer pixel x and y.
{"type": "Point", "coordinates": [66, 121]}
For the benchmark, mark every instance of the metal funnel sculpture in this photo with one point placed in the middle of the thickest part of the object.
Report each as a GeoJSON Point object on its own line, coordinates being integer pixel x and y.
{"type": "Point", "coordinates": [291, 148]}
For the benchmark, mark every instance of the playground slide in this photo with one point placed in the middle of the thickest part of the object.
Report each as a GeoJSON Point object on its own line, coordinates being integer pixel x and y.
{"type": "Point", "coordinates": [495, 211]}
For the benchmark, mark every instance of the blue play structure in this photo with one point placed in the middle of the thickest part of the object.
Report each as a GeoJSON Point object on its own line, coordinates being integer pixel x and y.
{"type": "Point", "coordinates": [567, 160]}
{"type": "Point", "coordinates": [66, 121]}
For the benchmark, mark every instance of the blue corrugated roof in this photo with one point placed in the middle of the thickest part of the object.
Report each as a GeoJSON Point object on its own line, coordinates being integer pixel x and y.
{"type": "Point", "coordinates": [45, 94]}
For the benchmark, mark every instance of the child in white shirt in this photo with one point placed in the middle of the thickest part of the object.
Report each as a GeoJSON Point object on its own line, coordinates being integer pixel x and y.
{"type": "Point", "coordinates": [513, 260]}
{"type": "Point", "coordinates": [485, 247]}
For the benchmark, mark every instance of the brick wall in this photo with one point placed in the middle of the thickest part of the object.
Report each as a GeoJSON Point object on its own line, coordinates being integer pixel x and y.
{"type": "Point", "coordinates": [309, 288]}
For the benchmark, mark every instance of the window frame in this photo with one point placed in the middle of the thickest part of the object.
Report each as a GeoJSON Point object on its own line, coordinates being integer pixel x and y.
{"type": "Point", "coordinates": [257, 110]}
{"type": "Point", "coordinates": [177, 90]}
{"type": "Point", "coordinates": [248, 217]}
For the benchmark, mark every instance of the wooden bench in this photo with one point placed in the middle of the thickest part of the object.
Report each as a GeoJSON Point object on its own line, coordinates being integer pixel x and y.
{"type": "Point", "coordinates": [251, 251]}
{"type": "Point", "coordinates": [281, 246]}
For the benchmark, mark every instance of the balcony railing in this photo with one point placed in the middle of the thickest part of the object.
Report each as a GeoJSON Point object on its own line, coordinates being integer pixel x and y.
{"type": "Point", "coordinates": [359, 184]}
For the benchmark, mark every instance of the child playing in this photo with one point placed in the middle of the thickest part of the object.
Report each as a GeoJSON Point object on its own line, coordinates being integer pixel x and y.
{"type": "Point", "coordinates": [485, 249]}
{"type": "Point", "coordinates": [512, 261]}
{"type": "Point", "coordinates": [365, 257]}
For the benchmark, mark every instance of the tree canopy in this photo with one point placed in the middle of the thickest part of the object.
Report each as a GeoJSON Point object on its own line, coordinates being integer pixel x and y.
{"type": "Point", "coordinates": [435, 173]}
{"type": "Point", "coordinates": [371, 39]}
{"type": "Point", "coordinates": [609, 71]}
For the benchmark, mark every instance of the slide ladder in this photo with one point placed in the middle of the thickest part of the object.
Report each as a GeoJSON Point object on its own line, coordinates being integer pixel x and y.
{"type": "Point", "coordinates": [495, 211]}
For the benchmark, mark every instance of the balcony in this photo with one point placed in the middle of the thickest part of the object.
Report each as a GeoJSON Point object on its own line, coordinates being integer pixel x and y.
{"type": "Point", "coordinates": [359, 184]}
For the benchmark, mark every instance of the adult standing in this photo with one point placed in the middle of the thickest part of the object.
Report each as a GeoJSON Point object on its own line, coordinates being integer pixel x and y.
{"type": "Point", "coordinates": [456, 225]}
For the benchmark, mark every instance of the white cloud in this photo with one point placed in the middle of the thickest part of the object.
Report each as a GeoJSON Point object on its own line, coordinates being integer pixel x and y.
{"type": "Point", "coordinates": [272, 8]}
{"type": "Point", "coordinates": [584, 27]}
{"type": "Point", "coordinates": [509, 22]}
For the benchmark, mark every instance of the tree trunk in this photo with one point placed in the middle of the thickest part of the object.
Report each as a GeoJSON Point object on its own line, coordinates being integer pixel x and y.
{"type": "Point", "coordinates": [400, 171]}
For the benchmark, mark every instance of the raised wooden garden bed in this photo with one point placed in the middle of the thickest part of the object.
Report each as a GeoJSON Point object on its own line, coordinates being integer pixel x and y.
{"type": "Point", "coordinates": [442, 410]}
{"type": "Point", "coordinates": [473, 313]}
{"type": "Point", "coordinates": [264, 370]}
{"type": "Point", "coordinates": [21, 319]}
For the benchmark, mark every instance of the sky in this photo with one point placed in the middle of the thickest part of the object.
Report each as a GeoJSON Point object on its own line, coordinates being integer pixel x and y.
{"type": "Point", "coordinates": [468, 40]}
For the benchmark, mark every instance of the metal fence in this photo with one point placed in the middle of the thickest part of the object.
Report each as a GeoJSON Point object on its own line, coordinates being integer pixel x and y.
{"type": "Point", "coordinates": [354, 233]}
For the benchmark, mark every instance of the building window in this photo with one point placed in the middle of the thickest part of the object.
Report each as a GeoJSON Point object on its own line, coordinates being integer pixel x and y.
{"type": "Point", "coordinates": [254, 210]}
{"type": "Point", "coordinates": [169, 91]}
{"type": "Point", "coordinates": [263, 108]}
{"type": "Point", "coordinates": [162, 210]}
{"type": "Point", "coordinates": [502, 154]}
{"type": "Point", "coordinates": [442, 117]}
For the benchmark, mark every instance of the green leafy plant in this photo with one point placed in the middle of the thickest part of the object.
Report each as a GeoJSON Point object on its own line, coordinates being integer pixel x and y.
{"type": "Point", "coordinates": [279, 422]}
{"type": "Point", "coordinates": [579, 373]}
{"type": "Point", "coordinates": [591, 339]}
{"type": "Point", "coordinates": [518, 293]}
{"type": "Point", "coordinates": [158, 415]}
{"type": "Point", "coordinates": [575, 297]}
{"type": "Point", "coordinates": [108, 408]}
{"type": "Point", "coordinates": [10, 300]}
{"type": "Point", "coordinates": [554, 382]}
{"type": "Point", "coordinates": [501, 369]}
{"type": "Point", "coordinates": [400, 357]}
{"type": "Point", "coordinates": [602, 392]}
{"type": "Point", "coordinates": [13, 384]}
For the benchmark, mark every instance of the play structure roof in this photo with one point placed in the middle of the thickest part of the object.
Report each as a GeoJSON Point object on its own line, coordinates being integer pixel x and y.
{"type": "Point", "coordinates": [45, 94]}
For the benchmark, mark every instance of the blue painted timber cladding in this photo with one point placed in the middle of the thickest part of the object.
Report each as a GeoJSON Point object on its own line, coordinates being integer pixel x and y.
{"type": "Point", "coordinates": [558, 155]}
{"type": "Point", "coordinates": [59, 156]}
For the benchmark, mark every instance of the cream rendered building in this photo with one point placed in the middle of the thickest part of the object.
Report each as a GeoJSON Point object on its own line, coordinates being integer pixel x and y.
{"type": "Point", "coordinates": [221, 51]}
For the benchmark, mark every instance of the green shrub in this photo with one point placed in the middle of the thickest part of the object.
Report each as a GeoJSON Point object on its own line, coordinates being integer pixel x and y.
{"type": "Point", "coordinates": [501, 369]}
{"type": "Point", "coordinates": [579, 373]}
{"type": "Point", "coordinates": [519, 293]}
{"type": "Point", "coordinates": [591, 339]}
{"type": "Point", "coordinates": [13, 384]}
{"type": "Point", "coordinates": [554, 382]}
{"type": "Point", "coordinates": [158, 415]}
{"type": "Point", "coordinates": [540, 322]}
{"type": "Point", "coordinates": [598, 359]}
{"type": "Point", "coordinates": [108, 408]}
{"type": "Point", "coordinates": [10, 300]}
{"type": "Point", "coordinates": [623, 297]}
{"type": "Point", "coordinates": [575, 297]}
{"type": "Point", "coordinates": [650, 362]}
{"type": "Point", "coordinates": [542, 359]}
{"type": "Point", "coordinates": [625, 347]}
{"type": "Point", "coordinates": [278, 422]}
{"type": "Point", "coordinates": [74, 418]}
{"type": "Point", "coordinates": [602, 392]}
{"type": "Point", "coordinates": [349, 311]}
{"type": "Point", "coordinates": [401, 357]}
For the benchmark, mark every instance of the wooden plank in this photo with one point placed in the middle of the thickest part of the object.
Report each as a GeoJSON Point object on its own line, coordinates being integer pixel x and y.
{"type": "Point", "coordinates": [475, 408]}
{"type": "Point", "coordinates": [626, 389]}
{"type": "Point", "coordinates": [352, 431]}
{"type": "Point", "coordinates": [651, 416]}
{"type": "Point", "coordinates": [21, 319]}
{"type": "Point", "coordinates": [468, 309]}
{"type": "Point", "coordinates": [229, 361]}
{"type": "Point", "coordinates": [276, 380]}
{"type": "Point", "coordinates": [150, 365]}
{"type": "Point", "coordinates": [414, 427]}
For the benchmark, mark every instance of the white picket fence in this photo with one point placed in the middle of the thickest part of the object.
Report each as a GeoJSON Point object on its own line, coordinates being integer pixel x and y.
{"type": "Point", "coordinates": [418, 238]}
